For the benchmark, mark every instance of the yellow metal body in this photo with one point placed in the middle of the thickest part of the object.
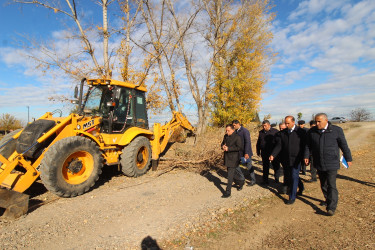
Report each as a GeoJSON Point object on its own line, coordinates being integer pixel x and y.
{"type": "Point", "coordinates": [111, 145]}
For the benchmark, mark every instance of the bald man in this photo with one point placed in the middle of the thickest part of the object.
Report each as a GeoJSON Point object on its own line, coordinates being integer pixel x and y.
{"type": "Point", "coordinates": [291, 144]}
{"type": "Point", "coordinates": [324, 142]}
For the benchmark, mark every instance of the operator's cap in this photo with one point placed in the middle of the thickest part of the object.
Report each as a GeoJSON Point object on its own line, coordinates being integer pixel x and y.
{"type": "Point", "coordinates": [301, 122]}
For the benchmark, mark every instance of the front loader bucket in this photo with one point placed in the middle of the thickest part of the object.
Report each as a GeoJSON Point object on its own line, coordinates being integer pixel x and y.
{"type": "Point", "coordinates": [15, 204]}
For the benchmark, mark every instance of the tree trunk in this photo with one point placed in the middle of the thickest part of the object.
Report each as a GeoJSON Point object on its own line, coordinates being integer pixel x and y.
{"type": "Point", "coordinates": [107, 72]}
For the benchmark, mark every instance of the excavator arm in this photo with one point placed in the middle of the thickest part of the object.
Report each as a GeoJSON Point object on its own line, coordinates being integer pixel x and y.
{"type": "Point", "coordinates": [170, 132]}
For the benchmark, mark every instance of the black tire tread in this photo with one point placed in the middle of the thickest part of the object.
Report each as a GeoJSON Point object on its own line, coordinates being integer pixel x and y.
{"type": "Point", "coordinates": [48, 174]}
{"type": "Point", "coordinates": [127, 161]}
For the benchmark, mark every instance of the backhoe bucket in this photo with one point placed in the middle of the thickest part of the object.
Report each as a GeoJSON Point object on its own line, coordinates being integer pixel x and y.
{"type": "Point", "coordinates": [15, 204]}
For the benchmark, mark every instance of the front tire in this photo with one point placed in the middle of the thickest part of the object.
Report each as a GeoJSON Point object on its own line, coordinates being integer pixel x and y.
{"type": "Point", "coordinates": [71, 166]}
{"type": "Point", "coordinates": [136, 157]}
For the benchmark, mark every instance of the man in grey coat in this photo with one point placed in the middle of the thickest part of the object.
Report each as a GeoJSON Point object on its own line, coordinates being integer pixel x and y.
{"type": "Point", "coordinates": [325, 141]}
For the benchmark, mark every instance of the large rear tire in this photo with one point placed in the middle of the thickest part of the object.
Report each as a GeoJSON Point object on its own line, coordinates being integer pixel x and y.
{"type": "Point", "coordinates": [71, 166]}
{"type": "Point", "coordinates": [136, 157]}
{"type": "Point", "coordinates": [8, 149]}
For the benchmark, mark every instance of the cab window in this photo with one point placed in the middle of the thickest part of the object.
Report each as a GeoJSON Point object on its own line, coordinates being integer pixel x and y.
{"type": "Point", "coordinates": [140, 109]}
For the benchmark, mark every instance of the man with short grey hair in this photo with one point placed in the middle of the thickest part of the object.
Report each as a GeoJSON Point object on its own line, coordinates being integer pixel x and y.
{"type": "Point", "coordinates": [325, 141]}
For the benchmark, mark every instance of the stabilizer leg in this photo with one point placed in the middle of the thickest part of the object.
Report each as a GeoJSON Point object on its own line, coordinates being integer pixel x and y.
{"type": "Point", "coordinates": [16, 204]}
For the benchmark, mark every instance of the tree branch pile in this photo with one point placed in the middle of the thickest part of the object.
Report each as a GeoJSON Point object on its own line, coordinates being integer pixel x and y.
{"type": "Point", "coordinates": [200, 154]}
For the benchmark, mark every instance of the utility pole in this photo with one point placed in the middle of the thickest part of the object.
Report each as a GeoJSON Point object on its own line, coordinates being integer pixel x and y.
{"type": "Point", "coordinates": [28, 114]}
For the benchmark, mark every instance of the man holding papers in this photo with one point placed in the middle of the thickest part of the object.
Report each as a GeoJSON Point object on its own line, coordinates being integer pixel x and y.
{"type": "Point", "coordinates": [325, 141]}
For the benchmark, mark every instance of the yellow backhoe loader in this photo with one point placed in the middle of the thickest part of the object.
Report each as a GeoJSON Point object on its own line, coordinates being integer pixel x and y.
{"type": "Point", "coordinates": [68, 153]}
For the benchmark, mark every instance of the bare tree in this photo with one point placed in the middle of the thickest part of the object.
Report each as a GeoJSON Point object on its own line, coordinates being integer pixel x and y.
{"type": "Point", "coordinates": [160, 48]}
{"type": "Point", "coordinates": [360, 115]}
{"type": "Point", "coordinates": [70, 10]}
{"type": "Point", "coordinates": [180, 38]}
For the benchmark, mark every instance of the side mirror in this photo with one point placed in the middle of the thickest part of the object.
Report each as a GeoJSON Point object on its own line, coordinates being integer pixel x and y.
{"type": "Point", "coordinates": [76, 92]}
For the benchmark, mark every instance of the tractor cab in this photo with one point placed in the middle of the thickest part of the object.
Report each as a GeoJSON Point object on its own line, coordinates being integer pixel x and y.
{"type": "Point", "coordinates": [120, 104]}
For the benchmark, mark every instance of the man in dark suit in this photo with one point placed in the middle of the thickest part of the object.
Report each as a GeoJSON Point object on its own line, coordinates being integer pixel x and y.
{"type": "Point", "coordinates": [277, 162]}
{"type": "Point", "coordinates": [313, 170]}
{"type": "Point", "coordinates": [247, 152]}
{"type": "Point", "coordinates": [291, 146]}
{"type": "Point", "coordinates": [232, 146]}
{"type": "Point", "coordinates": [301, 124]}
{"type": "Point", "coordinates": [265, 144]}
{"type": "Point", "coordinates": [324, 141]}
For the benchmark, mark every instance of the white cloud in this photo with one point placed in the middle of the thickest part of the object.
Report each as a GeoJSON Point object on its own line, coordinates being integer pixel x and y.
{"type": "Point", "coordinates": [337, 42]}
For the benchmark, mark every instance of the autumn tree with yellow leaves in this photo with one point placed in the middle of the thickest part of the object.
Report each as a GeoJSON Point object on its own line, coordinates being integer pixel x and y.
{"type": "Point", "coordinates": [8, 122]}
{"type": "Point", "coordinates": [242, 65]}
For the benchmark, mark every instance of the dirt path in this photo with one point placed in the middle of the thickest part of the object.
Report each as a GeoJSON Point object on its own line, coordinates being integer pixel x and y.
{"type": "Point", "coordinates": [270, 224]}
{"type": "Point", "coordinates": [180, 207]}
{"type": "Point", "coordinates": [123, 211]}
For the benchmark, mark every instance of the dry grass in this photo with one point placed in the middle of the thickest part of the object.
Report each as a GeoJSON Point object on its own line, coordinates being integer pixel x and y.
{"type": "Point", "coordinates": [349, 125]}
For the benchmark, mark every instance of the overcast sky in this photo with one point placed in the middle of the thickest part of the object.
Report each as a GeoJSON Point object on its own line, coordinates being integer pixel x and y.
{"type": "Point", "coordinates": [325, 62]}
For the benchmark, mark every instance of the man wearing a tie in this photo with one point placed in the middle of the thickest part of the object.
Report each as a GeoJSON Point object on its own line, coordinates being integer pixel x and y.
{"type": "Point", "coordinates": [290, 146]}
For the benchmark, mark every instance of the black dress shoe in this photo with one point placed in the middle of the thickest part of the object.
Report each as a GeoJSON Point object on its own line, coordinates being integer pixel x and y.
{"type": "Point", "coordinates": [312, 180]}
{"type": "Point", "coordinates": [300, 191]}
{"type": "Point", "coordinates": [240, 188]}
{"type": "Point", "coordinates": [290, 202]}
{"type": "Point", "coordinates": [226, 195]}
{"type": "Point", "coordinates": [330, 212]}
{"type": "Point", "coordinates": [251, 184]}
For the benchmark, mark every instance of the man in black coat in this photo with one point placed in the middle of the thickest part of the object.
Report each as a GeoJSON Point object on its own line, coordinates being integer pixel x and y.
{"type": "Point", "coordinates": [246, 152]}
{"type": "Point", "coordinates": [265, 144]}
{"type": "Point", "coordinates": [232, 146]}
{"type": "Point", "coordinates": [324, 141]}
{"type": "Point", "coordinates": [313, 170]}
{"type": "Point", "coordinates": [276, 162]}
{"type": "Point", "coordinates": [301, 124]}
{"type": "Point", "coordinates": [291, 146]}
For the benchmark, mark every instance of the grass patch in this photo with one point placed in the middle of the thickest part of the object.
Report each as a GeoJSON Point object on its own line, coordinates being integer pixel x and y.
{"type": "Point", "coordinates": [233, 220]}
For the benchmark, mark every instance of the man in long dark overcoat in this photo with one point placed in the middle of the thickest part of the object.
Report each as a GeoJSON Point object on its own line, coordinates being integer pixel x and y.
{"type": "Point", "coordinates": [291, 146]}
{"type": "Point", "coordinates": [324, 142]}
{"type": "Point", "coordinates": [232, 145]}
